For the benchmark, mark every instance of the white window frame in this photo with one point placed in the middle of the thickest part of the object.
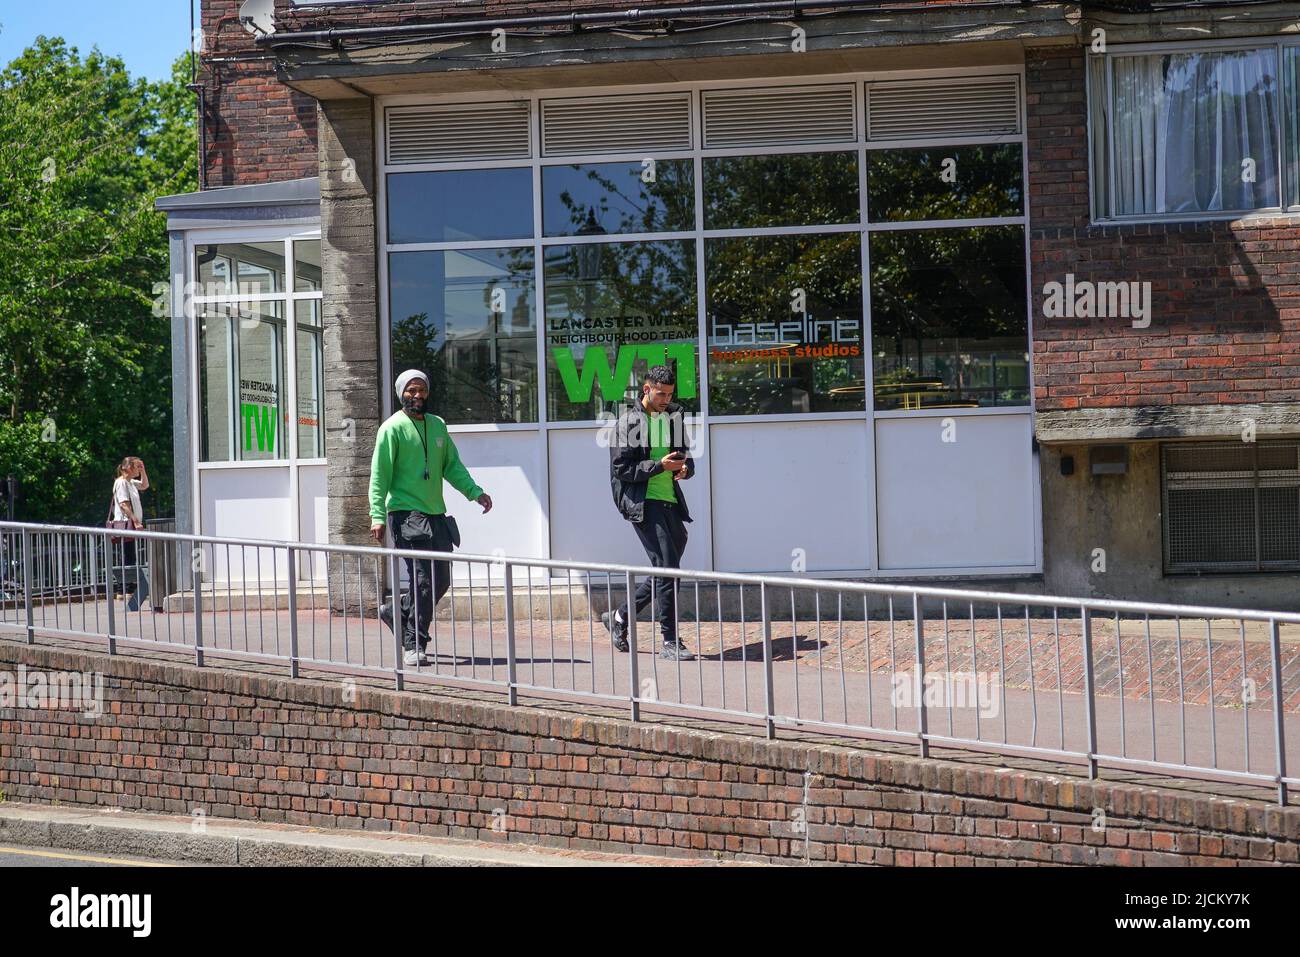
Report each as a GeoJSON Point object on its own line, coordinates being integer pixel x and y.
{"type": "Point", "coordinates": [539, 241]}
{"type": "Point", "coordinates": [289, 298]}
{"type": "Point", "coordinates": [1289, 205]}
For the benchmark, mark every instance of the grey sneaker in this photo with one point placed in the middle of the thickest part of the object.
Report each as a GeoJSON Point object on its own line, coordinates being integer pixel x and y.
{"type": "Point", "coordinates": [414, 659]}
{"type": "Point", "coordinates": [676, 651]}
{"type": "Point", "coordinates": [617, 630]}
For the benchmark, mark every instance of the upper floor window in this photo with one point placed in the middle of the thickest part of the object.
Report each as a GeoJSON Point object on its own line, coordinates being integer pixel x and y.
{"type": "Point", "coordinates": [1193, 133]}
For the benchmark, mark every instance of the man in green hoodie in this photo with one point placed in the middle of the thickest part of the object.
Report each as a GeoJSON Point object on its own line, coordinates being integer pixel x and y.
{"type": "Point", "coordinates": [413, 454]}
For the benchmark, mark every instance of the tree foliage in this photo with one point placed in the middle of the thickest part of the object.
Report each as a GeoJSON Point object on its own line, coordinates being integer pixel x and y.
{"type": "Point", "coordinates": [85, 359]}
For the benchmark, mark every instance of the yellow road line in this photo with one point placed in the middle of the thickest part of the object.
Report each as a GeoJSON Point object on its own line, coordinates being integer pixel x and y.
{"type": "Point", "coordinates": [78, 857]}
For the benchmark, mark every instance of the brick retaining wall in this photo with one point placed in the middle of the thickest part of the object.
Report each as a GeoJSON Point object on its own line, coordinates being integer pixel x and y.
{"type": "Point", "coordinates": [176, 738]}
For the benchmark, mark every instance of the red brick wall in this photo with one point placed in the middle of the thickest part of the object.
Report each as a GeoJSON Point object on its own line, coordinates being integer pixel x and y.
{"type": "Point", "coordinates": [239, 745]}
{"type": "Point", "coordinates": [1225, 320]}
{"type": "Point", "coordinates": [258, 130]}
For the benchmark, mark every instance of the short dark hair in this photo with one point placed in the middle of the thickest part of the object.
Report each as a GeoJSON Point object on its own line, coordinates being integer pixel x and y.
{"type": "Point", "coordinates": [661, 375]}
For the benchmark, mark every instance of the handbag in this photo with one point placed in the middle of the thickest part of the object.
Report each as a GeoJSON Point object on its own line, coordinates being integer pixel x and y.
{"type": "Point", "coordinates": [115, 523]}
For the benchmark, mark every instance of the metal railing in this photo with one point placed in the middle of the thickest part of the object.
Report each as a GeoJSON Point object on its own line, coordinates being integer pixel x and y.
{"type": "Point", "coordinates": [1210, 693]}
{"type": "Point", "coordinates": [62, 564]}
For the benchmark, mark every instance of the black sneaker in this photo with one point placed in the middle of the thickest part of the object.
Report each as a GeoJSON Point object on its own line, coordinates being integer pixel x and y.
{"type": "Point", "coordinates": [617, 630]}
{"type": "Point", "coordinates": [676, 651]}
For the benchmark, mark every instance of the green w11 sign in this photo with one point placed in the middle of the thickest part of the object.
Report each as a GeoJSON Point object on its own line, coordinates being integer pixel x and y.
{"type": "Point", "coordinates": [578, 384]}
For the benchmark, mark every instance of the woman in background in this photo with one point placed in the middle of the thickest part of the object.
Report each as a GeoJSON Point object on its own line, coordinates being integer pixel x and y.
{"type": "Point", "coordinates": [132, 479]}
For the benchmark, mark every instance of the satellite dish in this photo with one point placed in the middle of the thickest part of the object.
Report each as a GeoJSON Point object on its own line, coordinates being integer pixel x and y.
{"type": "Point", "coordinates": [258, 16]}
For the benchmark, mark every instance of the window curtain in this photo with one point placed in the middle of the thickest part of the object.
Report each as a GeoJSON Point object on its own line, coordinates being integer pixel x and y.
{"type": "Point", "coordinates": [1184, 125]}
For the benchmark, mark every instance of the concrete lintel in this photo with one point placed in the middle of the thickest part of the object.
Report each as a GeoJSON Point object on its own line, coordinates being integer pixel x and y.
{"type": "Point", "coordinates": [850, 43]}
{"type": "Point", "coordinates": [1195, 24]}
{"type": "Point", "coordinates": [1166, 422]}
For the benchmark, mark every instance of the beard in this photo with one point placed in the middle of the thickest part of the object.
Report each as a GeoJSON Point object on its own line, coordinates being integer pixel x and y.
{"type": "Point", "coordinates": [413, 406]}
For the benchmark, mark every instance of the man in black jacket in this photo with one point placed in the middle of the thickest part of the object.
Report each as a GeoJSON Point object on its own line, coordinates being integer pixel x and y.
{"type": "Point", "coordinates": [648, 461]}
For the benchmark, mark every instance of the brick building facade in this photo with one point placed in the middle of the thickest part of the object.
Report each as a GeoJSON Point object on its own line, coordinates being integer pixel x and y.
{"type": "Point", "coordinates": [1150, 456]}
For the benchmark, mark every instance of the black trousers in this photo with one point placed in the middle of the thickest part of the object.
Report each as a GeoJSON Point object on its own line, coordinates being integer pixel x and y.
{"type": "Point", "coordinates": [663, 536]}
{"type": "Point", "coordinates": [135, 579]}
{"type": "Point", "coordinates": [427, 584]}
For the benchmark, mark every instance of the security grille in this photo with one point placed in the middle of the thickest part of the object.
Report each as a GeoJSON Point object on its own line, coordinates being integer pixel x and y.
{"type": "Point", "coordinates": [458, 132]}
{"type": "Point", "coordinates": [783, 116]}
{"type": "Point", "coordinates": [1231, 506]}
{"type": "Point", "coordinates": [965, 106]}
{"type": "Point", "coordinates": [616, 124]}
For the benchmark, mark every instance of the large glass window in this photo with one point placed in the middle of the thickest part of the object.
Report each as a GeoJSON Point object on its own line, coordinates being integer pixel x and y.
{"type": "Point", "coordinates": [310, 375]}
{"type": "Point", "coordinates": [802, 189]}
{"type": "Point", "coordinates": [1189, 132]}
{"type": "Point", "coordinates": [613, 242]}
{"type": "Point", "coordinates": [652, 196]}
{"type": "Point", "coordinates": [466, 318]}
{"type": "Point", "coordinates": [785, 324]}
{"type": "Point", "coordinates": [460, 206]}
{"type": "Point", "coordinates": [1291, 86]}
{"type": "Point", "coordinates": [944, 182]}
{"type": "Point", "coordinates": [241, 381]}
{"type": "Point", "coordinates": [613, 310]}
{"type": "Point", "coordinates": [948, 318]}
{"type": "Point", "coordinates": [251, 407]}
{"type": "Point", "coordinates": [240, 269]}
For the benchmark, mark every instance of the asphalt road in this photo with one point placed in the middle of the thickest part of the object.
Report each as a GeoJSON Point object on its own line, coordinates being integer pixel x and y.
{"type": "Point", "coordinates": [42, 857]}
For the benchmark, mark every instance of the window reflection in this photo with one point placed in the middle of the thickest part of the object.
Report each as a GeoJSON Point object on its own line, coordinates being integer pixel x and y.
{"type": "Point", "coordinates": [467, 319]}
{"type": "Point", "coordinates": [948, 318]}
{"type": "Point", "coordinates": [944, 182]}
{"type": "Point", "coordinates": [785, 324]}
{"type": "Point", "coordinates": [801, 189]}
{"type": "Point", "coordinates": [613, 310]}
{"type": "Point", "coordinates": [240, 269]}
{"type": "Point", "coordinates": [460, 205]}
{"type": "Point", "coordinates": [646, 197]}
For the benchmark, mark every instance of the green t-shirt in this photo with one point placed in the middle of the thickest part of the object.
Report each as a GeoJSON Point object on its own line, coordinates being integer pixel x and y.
{"type": "Point", "coordinates": [403, 488]}
{"type": "Point", "coordinates": [660, 486]}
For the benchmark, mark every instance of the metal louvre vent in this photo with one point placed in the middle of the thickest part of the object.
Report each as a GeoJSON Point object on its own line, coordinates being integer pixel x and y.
{"type": "Point", "coordinates": [1231, 506]}
{"type": "Point", "coordinates": [967, 106]}
{"type": "Point", "coordinates": [617, 124]}
{"type": "Point", "coordinates": [790, 116]}
{"type": "Point", "coordinates": [457, 132]}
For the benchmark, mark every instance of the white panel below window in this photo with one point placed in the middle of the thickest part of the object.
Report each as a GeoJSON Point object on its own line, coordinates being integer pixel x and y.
{"type": "Point", "coordinates": [952, 505]}
{"type": "Point", "coordinates": [784, 486]}
{"type": "Point", "coordinates": [508, 466]}
{"type": "Point", "coordinates": [585, 524]}
{"type": "Point", "coordinates": [251, 504]}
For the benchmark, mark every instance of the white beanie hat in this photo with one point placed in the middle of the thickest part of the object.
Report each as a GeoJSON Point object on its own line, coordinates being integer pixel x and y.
{"type": "Point", "coordinates": [405, 378]}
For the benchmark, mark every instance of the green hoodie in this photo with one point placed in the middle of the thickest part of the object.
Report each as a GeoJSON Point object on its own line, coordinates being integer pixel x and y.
{"type": "Point", "coordinates": [402, 486]}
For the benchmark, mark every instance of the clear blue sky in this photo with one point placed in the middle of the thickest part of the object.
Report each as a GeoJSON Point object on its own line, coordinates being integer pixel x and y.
{"type": "Point", "coordinates": [147, 34]}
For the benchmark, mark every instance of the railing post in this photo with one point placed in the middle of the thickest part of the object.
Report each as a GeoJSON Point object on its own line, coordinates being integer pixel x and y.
{"type": "Point", "coordinates": [196, 580]}
{"type": "Point", "coordinates": [512, 677]}
{"type": "Point", "coordinates": [634, 675]}
{"type": "Point", "coordinates": [1279, 715]}
{"type": "Point", "coordinates": [395, 586]}
{"type": "Point", "coordinates": [293, 614]}
{"type": "Point", "coordinates": [27, 586]}
{"type": "Point", "coordinates": [108, 587]}
{"type": "Point", "coordinates": [922, 715]}
{"type": "Point", "coordinates": [769, 693]}
{"type": "Point", "coordinates": [1089, 690]}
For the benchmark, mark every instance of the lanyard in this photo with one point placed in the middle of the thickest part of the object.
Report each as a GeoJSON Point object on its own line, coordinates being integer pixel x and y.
{"type": "Point", "coordinates": [424, 441]}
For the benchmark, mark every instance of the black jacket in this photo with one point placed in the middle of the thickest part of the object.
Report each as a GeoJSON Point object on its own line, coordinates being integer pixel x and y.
{"type": "Point", "coordinates": [630, 464]}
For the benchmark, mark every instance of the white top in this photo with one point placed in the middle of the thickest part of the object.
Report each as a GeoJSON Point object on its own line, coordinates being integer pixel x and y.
{"type": "Point", "coordinates": [126, 490]}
